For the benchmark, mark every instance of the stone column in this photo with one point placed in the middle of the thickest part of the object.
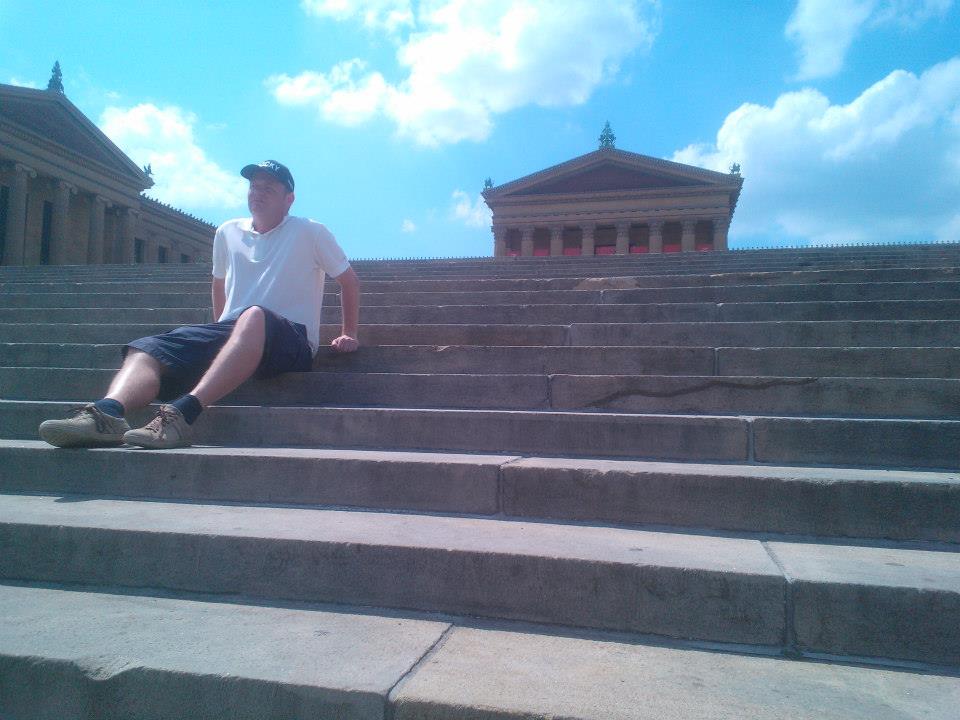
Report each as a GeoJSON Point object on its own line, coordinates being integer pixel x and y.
{"type": "Point", "coordinates": [15, 253]}
{"type": "Point", "coordinates": [586, 246]}
{"type": "Point", "coordinates": [688, 239]}
{"type": "Point", "coordinates": [150, 250]}
{"type": "Point", "coordinates": [623, 238]}
{"type": "Point", "coordinates": [59, 226]}
{"type": "Point", "coordinates": [499, 241]}
{"type": "Point", "coordinates": [128, 230]}
{"type": "Point", "coordinates": [656, 236]}
{"type": "Point", "coordinates": [98, 209]}
{"type": "Point", "coordinates": [526, 242]}
{"type": "Point", "coordinates": [556, 240]}
{"type": "Point", "coordinates": [720, 227]}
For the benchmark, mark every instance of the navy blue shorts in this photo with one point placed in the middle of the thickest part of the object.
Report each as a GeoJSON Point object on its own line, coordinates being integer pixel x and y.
{"type": "Point", "coordinates": [188, 351]}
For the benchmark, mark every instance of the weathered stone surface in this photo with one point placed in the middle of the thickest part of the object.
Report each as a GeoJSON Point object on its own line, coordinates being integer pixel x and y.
{"type": "Point", "coordinates": [874, 601]}
{"type": "Point", "coordinates": [840, 333]}
{"type": "Point", "coordinates": [671, 584]}
{"type": "Point", "coordinates": [858, 441]}
{"type": "Point", "coordinates": [518, 392]}
{"type": "Point", "coordinates": [807, 501]}
{"type": "Point", "coordinates": [914, 362]}
{"type": "Point", "coordinates": [67, 655]}
{"type": "Point", "coordinates": [790, 395]}
{"type": "Point", "coordinates": [439, 482]}
{"type": "Point", "coordinates": [496, 675]}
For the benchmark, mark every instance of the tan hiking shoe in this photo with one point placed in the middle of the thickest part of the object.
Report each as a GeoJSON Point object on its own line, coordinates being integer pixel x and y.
{"type": "Point", "coordinates": [89, 427]}
{"type": "Point", "coordinates": [169, 429]}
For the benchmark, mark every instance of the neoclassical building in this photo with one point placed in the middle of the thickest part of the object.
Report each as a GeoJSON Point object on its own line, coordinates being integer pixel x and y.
{"type": "Point", "coordinates": [613, 202]}
{"type": "Point", "coordinates": [69, 196]}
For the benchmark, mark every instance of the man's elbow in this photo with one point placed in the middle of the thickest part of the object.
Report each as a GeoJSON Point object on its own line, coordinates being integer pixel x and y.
{"type": "Point", "coordinates": [348, 281]}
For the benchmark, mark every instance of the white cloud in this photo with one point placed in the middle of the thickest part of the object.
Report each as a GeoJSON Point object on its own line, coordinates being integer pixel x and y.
{"type": "Point", "coordinates": [408, 226]}
{"type": "Point", "coordinates": [163, 138]}
{"type": "Point", "coordinates": [340, 96]}
{"type": "Point", "coordinates": [471, 213]}
{"type": "Point", "coordinates": [463, 63]}
{"type": "Point", "coordinates": [389, 15]}
{"type": "Point", "coordinates": [883, 168]}
{"type": "Point", "coordinates": [825, 29]}
{"type": "Point", "coordinates": [23, 83]}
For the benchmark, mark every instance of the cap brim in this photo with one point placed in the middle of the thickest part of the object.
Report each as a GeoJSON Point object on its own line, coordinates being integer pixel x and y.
{"type": "Point", "coordinates": [249, 170]}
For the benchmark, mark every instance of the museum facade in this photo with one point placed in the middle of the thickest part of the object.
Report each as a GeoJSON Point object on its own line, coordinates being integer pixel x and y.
{"type": "Point", "coordinates": [69, 196]}
{"type": "Point", "coordinates": [613, 202]}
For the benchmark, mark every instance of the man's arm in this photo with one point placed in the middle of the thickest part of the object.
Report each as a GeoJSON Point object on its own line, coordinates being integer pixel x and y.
{"type": "Point", "coordinates": [219, 296]}
{"type": "Point", "coordinates": [350, 311]}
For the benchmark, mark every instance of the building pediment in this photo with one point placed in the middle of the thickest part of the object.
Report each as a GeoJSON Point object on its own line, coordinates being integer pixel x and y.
{"type": "Point", "coordinates": [605, 177]}
{"type": "Point", "coordinates": [611, 170]}
{"type": "Point", "coordinates": [49, 119]}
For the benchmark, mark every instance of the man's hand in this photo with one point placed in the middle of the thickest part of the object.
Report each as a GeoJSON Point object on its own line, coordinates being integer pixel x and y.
{"type": "Point", "coordinates": [344, 344]}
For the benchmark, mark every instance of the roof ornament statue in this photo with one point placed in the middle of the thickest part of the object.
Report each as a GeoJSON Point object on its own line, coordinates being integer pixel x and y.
{"type": "Point", "coordinates": [735, 169]}
{"type": "Point", "coordinates": [487, 184]}
{"type": "Point", "coordinates": [607, 138]}
{"type": "Point", "coordinates": [55, 83]}
{"type": "Point", "coordinates": [148, 170]}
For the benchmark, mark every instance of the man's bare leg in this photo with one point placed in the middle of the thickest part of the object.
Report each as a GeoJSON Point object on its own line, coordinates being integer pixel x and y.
{"type": "Point", "coordinates": [237, 360]}
{"type": "Point", "coordinates": [138, 381]}
{"type": "Point", "coordinates": [101, 423]}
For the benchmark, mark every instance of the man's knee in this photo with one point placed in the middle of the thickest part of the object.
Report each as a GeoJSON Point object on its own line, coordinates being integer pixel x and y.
{"type": "Point", "coordinates": [143, 359]}
{"type": "Point", "coordinates": [251, 323]}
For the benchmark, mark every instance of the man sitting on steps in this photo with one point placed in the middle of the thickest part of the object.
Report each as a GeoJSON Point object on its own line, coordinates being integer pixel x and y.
{"type": "Point", "coordinates": [268, 274]}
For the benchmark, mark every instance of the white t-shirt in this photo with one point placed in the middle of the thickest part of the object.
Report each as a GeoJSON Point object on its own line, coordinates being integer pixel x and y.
{"type": "Point", "coordinates": [282, 270]}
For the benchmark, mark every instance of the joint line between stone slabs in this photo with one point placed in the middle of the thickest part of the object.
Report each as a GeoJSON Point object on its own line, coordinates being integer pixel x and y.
{"type": "Point", "coordinates": [501, 510]}
{"type": "Point", "coordinates": [751, 459]}
{"type": "Point", "coordinates": [388, 707]}
{"type": "Point", "coordinates": [789, 639]}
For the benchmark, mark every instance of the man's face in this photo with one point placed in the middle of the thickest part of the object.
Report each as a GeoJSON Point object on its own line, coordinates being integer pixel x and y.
{"type": "Point", "coordinates": [268, 197]}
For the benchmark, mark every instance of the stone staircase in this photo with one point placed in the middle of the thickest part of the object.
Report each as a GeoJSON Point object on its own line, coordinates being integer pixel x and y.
{"type": "Point", "coordinates": [717, 485]}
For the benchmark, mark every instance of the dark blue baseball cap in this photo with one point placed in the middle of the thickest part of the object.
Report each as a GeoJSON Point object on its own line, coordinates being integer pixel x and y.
{"type": "Point", "coordinates": [272, 167]}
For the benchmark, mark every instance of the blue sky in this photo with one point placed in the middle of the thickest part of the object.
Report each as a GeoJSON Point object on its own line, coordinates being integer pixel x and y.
{"type": "Point", "coordinates": [844, 114]}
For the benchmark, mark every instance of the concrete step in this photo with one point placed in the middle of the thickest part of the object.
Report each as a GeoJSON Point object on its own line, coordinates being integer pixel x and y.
{"type": "Point", "coordinates": [846, 600]}
{"type": "Point", "coordinates": [422, 358]}
{"type": "Point", "coordinates": [725, 294]}
{"type": "Point", "coordinates": [73, 658]}
{"type": "Point", "coordinates": [604, 313]}
{"type": "Point", "coordinates": [549, 314]}
{"type": "Point", "coordinates": [917, 362]}
{"type": "Point", "coordinates": [164, 316]}
{"type": "Point", "coordinates": [69, 655]}
{"type": "Point", "coordinates": [302, 662]}
{"type": "Point", "coordinates": [514, 675]}
{"type": "Point", "coordinates": [825, 502]}
{"type": "Point", "coordinates": [869, 397]}
{"type": "Point", "coordinates": [314, 388]}
{"type": "Point", "coordinates": [123, 300]}
{"type": "Point", "coordinates": [862, 442]}
{"type": "Point", "coordinates": [590, 266]}
{"type": "Point", "coordinates": [825, 333]}
{"type": "Point", "coordinates": [786, 396]}
{"type": "Point", "coordinates": [92, 333]}
{"type": "Point", "coordinates": [840, 292]}
{"type": "Point", "coordinates": [583, 576]}
{"type": "Point", "coordinates": [585, 281]}
{"type": "Point", "coordinates": [809, 361]}
{"type": "Point", "coordinates": [100, 333]}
